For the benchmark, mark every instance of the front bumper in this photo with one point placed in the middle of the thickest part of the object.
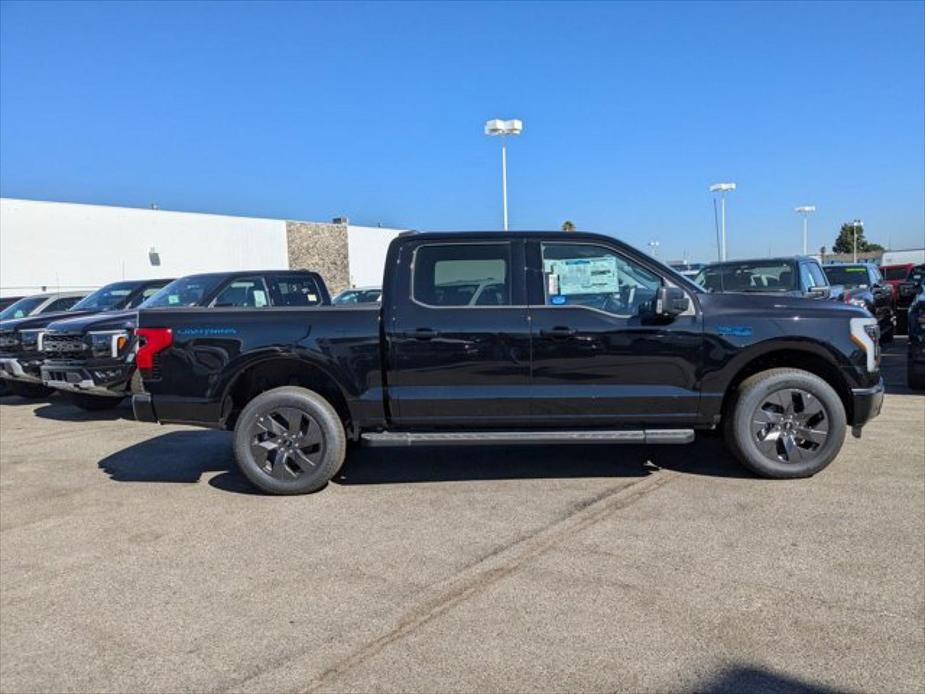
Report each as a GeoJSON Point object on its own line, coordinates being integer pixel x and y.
{"type": "Point", "coordinates": [108, 380]}
{"type": "Point", "coordinates": [14, 369]}
{"type": "Point", "coordinates": [867, 404]}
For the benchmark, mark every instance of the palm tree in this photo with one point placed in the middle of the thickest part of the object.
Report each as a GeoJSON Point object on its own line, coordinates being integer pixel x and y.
{"type": "Point", "coordinates": [568, 225]}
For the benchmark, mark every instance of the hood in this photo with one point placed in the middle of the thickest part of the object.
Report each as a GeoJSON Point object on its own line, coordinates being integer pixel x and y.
{"type": "Point", "coordinates": [778, 304]}
{"type": "Point", "coordinates": [111, 320]}
{"type": "Point", "coordinates": [40, 321]}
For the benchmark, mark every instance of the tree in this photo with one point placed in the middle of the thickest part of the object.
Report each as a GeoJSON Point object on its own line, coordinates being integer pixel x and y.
{"type": "Point", "coordinates": [568, 225]}
{"type": "Point", "coordinates": [845, 241]}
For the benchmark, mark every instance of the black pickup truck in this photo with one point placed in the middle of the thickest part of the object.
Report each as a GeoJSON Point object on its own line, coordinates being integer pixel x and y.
{"type": "Point", "coordinates": [92, 358]}
{"type": "Point", "coordinates": [521, 337]}
{"type": "Point", "coordinates": [21, 339]}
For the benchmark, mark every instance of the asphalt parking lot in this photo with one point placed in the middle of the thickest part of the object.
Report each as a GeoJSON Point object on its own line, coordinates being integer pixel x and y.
{"type": "Point", "coordinates": [135, 558]}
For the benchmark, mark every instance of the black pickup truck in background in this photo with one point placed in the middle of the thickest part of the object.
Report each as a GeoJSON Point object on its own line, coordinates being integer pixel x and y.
{"type": "Point", "coordinates": [520, 337]}
{"type": "Point", "coordinates": [793, 276]}
{"type": "Point", "coordinates": [92, 358]}
{"type": "Point", "coordinates": [21, 339]}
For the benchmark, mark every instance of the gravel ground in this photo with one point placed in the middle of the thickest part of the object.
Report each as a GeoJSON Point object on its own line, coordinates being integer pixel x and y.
{"type": "Point", "coordinates": [136, 558]}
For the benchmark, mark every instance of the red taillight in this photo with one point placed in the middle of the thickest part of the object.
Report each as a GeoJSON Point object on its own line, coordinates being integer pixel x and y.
{"type": "Point", "coordinates": [150, 342]}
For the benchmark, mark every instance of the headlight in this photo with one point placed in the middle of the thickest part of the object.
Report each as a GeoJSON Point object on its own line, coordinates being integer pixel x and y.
{"type": "Point", "coordinates": [865, 333]}
{"type": "Point", "coordinates": [860, 303]}
{"type": "Point", "coordinates": [108, 343]}
{"type": "Point", "coordinates": [31, 339]}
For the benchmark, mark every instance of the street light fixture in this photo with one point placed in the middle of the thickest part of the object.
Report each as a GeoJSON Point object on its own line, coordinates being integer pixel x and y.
{"type": "Point", "coordinates": [722, 189]}
{"type": "Point", "coordinates": [654, 246]}
{"type": "Point", "coordinates": [502, 128]}
{"type": "Point", "coordinates": [805, 210]}
{"type": "Point", "coordinates": [855, 224]}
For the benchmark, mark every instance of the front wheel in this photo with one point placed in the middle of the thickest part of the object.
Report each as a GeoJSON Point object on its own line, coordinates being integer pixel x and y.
{"type": "Point", "coordinates": [93, 403]}
{"type": "Point", "coordinates": [289, 440]}
{"type": "Point", "coordinates": [785, 423]}
{"type": "Point", "coordinates": [30, 390]}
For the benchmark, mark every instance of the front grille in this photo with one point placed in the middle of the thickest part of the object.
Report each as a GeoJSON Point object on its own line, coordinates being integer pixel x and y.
{"type": "Point", "coordinates": [63, 344]}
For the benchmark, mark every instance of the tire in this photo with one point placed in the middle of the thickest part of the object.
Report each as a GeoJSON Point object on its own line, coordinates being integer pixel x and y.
{"type": "Point", "coordinates": [785, 423]}
{"type": "Point", "coordinates": [31, 391]}
{"type": "Point", "coordinates": [267, 437]}
{"type": "Point", "coordinates": [93, 403]}
{"type": "Point", "coordinates": [4, 388]}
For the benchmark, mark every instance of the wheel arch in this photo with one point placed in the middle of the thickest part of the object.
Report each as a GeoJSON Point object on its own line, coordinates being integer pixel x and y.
{"type": "Point", "coordinates": [813, 359]}
{"type": "Point", "coordinates": [275, 371]}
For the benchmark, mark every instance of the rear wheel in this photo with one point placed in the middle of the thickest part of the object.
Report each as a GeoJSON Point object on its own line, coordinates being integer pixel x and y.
{"type": "Point", "coordinates": [30, 390]}
{"type": "Point", "coordinates": [93, 403]}
{"type": "Point", "coordinates": [289, 440]}
{"type": "Point", "coordinates": [785, 423]}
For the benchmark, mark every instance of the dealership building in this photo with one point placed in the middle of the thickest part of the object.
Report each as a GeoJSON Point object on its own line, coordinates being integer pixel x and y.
{"type": "Point", "coordinates": [50, 246]}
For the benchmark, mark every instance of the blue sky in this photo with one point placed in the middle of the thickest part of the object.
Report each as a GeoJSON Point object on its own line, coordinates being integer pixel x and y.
{"type": "Point", "coordinates": [375, 111]}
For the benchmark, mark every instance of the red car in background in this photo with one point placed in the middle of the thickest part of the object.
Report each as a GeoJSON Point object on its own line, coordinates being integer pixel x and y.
{"type": "Point", "coordinates": [895, 275]}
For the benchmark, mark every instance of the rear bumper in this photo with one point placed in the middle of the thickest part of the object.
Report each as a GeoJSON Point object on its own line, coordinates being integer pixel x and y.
{"type": "Point", "coordinates": [108, 380]}
{"type": "Point", "coordinates": [867, 403]}
{"type": "Point", "coordinates": [13, 369]}
{"type": "Point", "coordinates": [143, 407]}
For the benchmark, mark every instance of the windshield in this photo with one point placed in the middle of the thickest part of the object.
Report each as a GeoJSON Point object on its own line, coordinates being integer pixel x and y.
{"type": "Point", "coordinates": [21, 308]}
{"type": "Point", "coordinates": [847, 275]}
{"type": "Point", "coordinates": [358, 296]}
{"type": "Point", "coordinates": [186, 291]}
{"type": "Point", "coordinates": [111, 296]}
{"type": "Point", "coordinates": [895, 273]}
{"type": "Point", "coordinates": [771, 276]}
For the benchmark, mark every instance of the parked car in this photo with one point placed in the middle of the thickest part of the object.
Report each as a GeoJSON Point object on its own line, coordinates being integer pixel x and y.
{"type": "Point", "coordinates": [592, 342]}
{"type": "Point", "coordinates": [793, 276]}
{"type": "Point", "coordinates": [895, 275]}
{"type": "Point", "coordinates": [915, 356]}
{"type": "Point", "coordinates": [864, 287]}
{"type": "Point", "coordinates": [359, 295]}
{"type": "Point", "coordinates": [35, 305]}
{"type": "Point", "coordinates": [21, 339]}
{"type": "Point", "coordinates": [91, 358]}
{"type": "Point", "coordinates": [38, 304]}
{"type": "Point", "coordinates": [907, 292]}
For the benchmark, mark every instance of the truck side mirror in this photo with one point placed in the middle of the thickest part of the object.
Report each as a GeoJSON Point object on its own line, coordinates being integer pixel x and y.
{"type": "Point", "coordinates": [671, 302]}
{"type": "Point", "coordinates": [820, 293]}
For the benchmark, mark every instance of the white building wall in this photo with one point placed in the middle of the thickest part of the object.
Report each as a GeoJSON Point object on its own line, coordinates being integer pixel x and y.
{"type": "Point", "coordinates": [366, 249]}
{"type": "Point", "coordinates": [53, 244]}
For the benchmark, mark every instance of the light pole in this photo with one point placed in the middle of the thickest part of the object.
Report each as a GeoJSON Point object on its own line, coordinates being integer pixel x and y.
{"type": "Point", "coordinates": [805, 210]}
{"type": "Point", "coordinates": [854, 225]}
{"type": "Point", "coordinates": [722, 189]}
{"type": "Point", "coordinates": [654, 246]}
{"type": "Point", "coordinates": [503, 128]}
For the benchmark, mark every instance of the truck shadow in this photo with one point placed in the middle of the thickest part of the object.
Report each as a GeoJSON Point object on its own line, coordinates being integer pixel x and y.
{"type": "Point", "coordinates": [185, 456]}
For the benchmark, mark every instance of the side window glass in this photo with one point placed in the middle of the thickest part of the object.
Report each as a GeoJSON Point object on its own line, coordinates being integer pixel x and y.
{"type": "Point", "coordinates": [465, 274]}
{"type": "Point", "coordinates": [145, 294]}
{"type": "Point", "coordinates": [293, 290]}
{"type": "Point", "coordinates": [596, 277]}
{"type": "Point", "coordinates": [62, 304]}
{"type": "Point", "coordinates": [806, 277]}
{"type": "Point", "coordinates": [818, 275]}
{"type": "Point", "coordinates": [247, 292]}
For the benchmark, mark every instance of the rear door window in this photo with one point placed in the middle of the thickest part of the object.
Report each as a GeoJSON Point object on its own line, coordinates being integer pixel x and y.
{"type": "Point", "coordinates": [294, 290]}
{"type": "Point", "coordinates": [249, 292]}
{"type": "Point", "coordinates": [464, 274]}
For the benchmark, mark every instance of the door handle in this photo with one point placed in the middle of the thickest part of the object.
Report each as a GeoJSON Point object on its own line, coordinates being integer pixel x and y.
{"type": "Point", "coordinates": [420, 334]}
{"type": "Point", "coordinates": [559, 331]}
